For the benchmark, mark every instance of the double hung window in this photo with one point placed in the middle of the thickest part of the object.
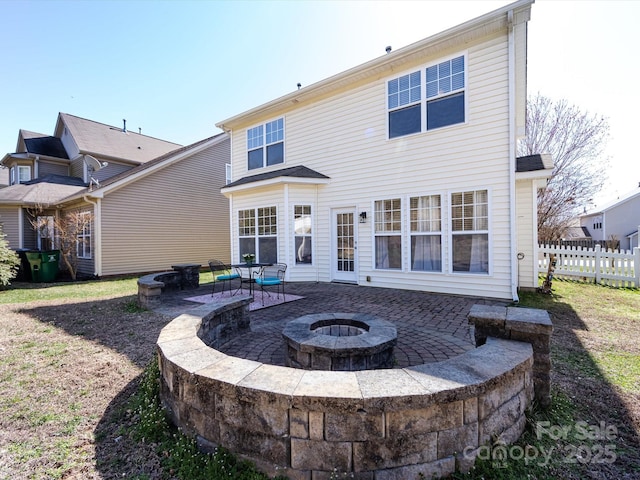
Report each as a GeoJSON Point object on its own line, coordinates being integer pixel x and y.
{"type": "Point", "coordinates": [258, 233]}
{"type": "Point", "coordinates": [265, 144]}
{"type": "Point", "coordinates": [426, 233]}
{"type": "Point", "coordinates": [83, 235]}
{"type": "Point", "coordinates": [302, 233]}
{"type": "Point", "coordinates": [470, 231]}
{"type": "Point", "coordinates": [20, 174]}
{"type": "Point", "coordinates": [388, 234]}
{"type": "Point", "coordinates": [415, 105]}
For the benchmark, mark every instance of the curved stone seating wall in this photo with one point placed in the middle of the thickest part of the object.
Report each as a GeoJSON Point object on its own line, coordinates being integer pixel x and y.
{"type": "Point", "coordinates": [377, 424]}
{"type": "Point", "coordinates": [151, 286]}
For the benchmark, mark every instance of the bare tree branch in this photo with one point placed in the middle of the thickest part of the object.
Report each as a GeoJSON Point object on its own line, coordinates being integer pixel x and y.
{"type": "Point", "coordinates": [576, 141]}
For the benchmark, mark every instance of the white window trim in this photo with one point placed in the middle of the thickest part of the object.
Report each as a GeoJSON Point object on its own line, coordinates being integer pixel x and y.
{"type": "Point", "coordinates": [227, 173]}
{"type": "Point", "coordinates": [256, 235]}
{"type": "Point", "coordinates": [401, 234]}
{"type": "Point", "coordinates": [423, 95]}
{"type": "Point", "coordinates": [265, 144]}
{"type": "Point", "coordinates": [489, 232]}
{"type": "Point", "coordinates": [443, 231]}
{"type": "Point", "coordinates": [295, 235]}
{"type": "Point", "coordinates": [83, 236]}
{"type": "Point", "coordinates": [23, 168]}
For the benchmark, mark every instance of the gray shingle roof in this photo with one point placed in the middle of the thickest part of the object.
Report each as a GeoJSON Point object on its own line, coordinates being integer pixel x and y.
{"type": "Point", "coordinates": [299, 171]}
{"type": "Point", "coordinates": [531, 163]}
{"type": "Point", "coordinates": [112, 142]}
{"type": "Point", "coordinates": [42, 193]}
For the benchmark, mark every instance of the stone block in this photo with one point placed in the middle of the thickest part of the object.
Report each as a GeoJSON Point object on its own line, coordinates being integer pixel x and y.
{"type": "Point", "coordinates": [502, 418]}
{"type": "Point", "coordinates": [540, 343]}
{"type": "Point", "coordinates": [317, 455]}
{"type": "Point", "coordinates": [437, 469]}
{"type": "Point", "coordinates": [316, 425]}
{"type": "Point", "coordinates": [487, 316]}
{"type": "Point", "coordinates": [436, 417]}
{"type": "Point", "coordinates": [383, 453]}
{"type": "Point", "coordinates": [357, 426]}
{"type": "Point", "coordinates": [298, 423]}
{"type": "Point", "coordinates": [456, 440]}
{"type": "Point", "coordinates": [256, 445]}
{"type": "Point", "coordinates": [265, 417]}
{"type": "Point", "coordinates": [509, 385]}
{"type": "Point", "coordinates": [470, 410]}
{"type": "Point", "coordinates": [531, 320]}
{"type": "Point", "coordinates": [465, 460]}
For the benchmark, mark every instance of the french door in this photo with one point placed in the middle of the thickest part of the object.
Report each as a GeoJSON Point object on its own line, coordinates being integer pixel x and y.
{"type": "Point", "coordinates": [345, 245]}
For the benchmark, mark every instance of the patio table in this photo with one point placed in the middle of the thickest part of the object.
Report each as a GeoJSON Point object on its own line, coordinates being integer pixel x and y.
{"type": "Point", "coordinates": [250, 268]}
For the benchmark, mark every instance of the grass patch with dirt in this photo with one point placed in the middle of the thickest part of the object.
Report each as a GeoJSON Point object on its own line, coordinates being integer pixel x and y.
{"type": "Point", "coordinates": [78, 390]}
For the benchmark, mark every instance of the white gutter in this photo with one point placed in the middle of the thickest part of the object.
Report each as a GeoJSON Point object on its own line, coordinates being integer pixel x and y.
{"type": "Point", "coordinates": [513, 253]}
{"type": "Point", "coordinates": [97, 235]}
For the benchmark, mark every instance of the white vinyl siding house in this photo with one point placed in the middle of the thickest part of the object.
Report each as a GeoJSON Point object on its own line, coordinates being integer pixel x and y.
{"type": "Point", "coordinates": [618, 220]}
{"type": "Point", "coordinates": [375, 174]}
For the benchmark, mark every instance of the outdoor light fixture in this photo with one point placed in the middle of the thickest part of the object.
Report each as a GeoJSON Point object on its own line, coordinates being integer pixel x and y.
{"type": "Point", "coordinates": [363, 217]}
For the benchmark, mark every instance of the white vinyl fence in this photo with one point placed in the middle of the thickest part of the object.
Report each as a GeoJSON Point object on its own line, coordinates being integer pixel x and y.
{"type": "Point", "coordinates": [616, 269]}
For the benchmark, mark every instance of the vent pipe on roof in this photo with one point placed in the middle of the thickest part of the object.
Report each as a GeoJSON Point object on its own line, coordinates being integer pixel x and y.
{"type": "Point", "coordinates": [124, 125]}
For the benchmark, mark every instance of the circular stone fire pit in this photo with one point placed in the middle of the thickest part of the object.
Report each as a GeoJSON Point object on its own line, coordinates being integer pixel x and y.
{"type": "Point", "coordinates": [340, 342]}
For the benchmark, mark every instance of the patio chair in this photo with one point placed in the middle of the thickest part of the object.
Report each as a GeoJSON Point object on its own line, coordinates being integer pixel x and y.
{"type": "Point", "coordinates": [223, 274]}
{"type": "Point", "coordinates": [272, 276]}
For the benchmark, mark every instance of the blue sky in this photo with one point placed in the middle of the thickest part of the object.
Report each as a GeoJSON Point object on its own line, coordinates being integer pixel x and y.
{"type": "Point", "coordinates": [174, 69]}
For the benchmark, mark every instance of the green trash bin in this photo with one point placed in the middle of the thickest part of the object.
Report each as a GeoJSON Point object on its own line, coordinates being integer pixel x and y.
{"type": "Point", "coordinates": [44, 265]}
{"type": "Point", "coordinates": [35, 261]}
{"type": "Point", "coordinates": [49, 265]}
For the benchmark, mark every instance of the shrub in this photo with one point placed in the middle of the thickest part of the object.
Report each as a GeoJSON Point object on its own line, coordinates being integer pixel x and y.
{"type": "Point", "coordinates": [9, 261]}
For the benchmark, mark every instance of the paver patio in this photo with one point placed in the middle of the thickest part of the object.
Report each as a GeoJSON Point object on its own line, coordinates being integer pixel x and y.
{"type": "Point", "coordinates": [431, 327]}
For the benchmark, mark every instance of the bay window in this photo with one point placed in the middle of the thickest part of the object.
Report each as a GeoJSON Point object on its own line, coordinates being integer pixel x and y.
{"type": "Point", "coordinates": [302, 233]}
{"type": "Point", "coordinates": [258, 233]}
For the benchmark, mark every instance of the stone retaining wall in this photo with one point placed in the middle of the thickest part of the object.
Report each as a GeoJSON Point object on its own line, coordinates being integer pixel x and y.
{"type": "Point", "coordinates": [529, 325]}
{"type": "Point", "coordinates": [373, 424]}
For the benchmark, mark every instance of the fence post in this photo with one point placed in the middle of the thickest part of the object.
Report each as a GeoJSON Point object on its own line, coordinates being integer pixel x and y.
{"type": "Point", "coordinates": [597, 251]}
{"type": "Point", "coordinates": [636, 265]}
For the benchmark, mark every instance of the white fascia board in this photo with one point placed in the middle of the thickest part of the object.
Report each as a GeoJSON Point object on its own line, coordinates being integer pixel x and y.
{"type": "Point", "coordinates": [228, 191]}
{"type": "Point", "coordinates": [458, 36]}
{"type": "Point", "coordinates": [534, 175]}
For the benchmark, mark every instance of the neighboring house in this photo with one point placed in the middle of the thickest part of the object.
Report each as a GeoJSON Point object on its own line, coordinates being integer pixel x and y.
{"type": "Point", "coordinates": [400, 172]}
{"type": "Point", "coordinates": [618, 220]}
{"type": "Point", "coordinates": [154, 203]}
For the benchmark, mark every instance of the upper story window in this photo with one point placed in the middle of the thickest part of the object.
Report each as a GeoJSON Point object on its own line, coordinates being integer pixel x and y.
{"type": "Point", "coordinates": [20, 174]}
{"type": "Point", "coordinates": [227, 173]}
{"type": "Point", "coordinates": [439, 99]}
{"type": "Point", "coordinates": [265, 144]}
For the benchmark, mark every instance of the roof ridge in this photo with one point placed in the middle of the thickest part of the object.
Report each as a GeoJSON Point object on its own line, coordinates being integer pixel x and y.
{"type": "Point", "coordinates": [118, 128]}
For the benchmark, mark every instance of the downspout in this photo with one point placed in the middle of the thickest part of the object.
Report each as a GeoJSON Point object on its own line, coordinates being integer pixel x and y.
{"type": "Point", "coordinates": [512, 159]}
{"type": "Point", "coordinates": [97, 236]}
